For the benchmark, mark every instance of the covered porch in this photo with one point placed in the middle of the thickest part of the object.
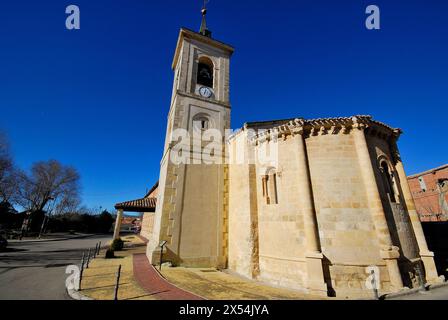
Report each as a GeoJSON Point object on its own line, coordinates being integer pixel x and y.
{"type": "Point", "coordinates": [145, 206]}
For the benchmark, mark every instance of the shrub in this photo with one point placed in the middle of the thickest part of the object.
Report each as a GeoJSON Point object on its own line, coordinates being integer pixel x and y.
{"type": "Point", "coordinates": [117, 245]}
{"type": "Point", "coordinates": [110, 254]}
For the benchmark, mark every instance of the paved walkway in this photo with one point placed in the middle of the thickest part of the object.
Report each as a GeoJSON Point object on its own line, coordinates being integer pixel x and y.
{"type": "Point", "coordinates": [150, 280]}
{"type": "Point", "coordinates": [434, 294]}
{"type": "Point", "coordinates": [213, 284]}
{"type": "Point", "coordinates": [141, 281]}
{"type": "Point", "coordinates": [145, 241]}
{"type": "Point", "coordinates": [99, 279]}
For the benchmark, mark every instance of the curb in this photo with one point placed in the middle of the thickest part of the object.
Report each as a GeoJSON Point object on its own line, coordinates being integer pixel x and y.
{"type": "Point", "coordinates": [50, 240]}
{"type": "Point", "coordinates": [75, 295]}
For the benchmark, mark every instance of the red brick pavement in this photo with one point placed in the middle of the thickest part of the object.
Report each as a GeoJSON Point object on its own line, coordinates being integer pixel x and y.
{"type": "Point", "coordinates": [150, 280]}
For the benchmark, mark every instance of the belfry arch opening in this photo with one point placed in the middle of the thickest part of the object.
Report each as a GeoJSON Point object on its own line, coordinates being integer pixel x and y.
{"type": "Point", "coordinates": [205, 72]}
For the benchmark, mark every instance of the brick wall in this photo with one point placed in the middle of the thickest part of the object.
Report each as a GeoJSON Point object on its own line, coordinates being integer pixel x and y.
{"type": "Point", "coordinates": [431, 194]}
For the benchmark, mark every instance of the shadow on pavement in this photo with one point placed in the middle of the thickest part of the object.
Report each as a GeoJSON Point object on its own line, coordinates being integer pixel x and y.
{"type": "Point", "coordinates": [13, 250]}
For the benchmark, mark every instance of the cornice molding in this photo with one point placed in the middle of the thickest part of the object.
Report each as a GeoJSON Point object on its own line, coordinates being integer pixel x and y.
{"type": "Point", "coordinates": [327, 126]}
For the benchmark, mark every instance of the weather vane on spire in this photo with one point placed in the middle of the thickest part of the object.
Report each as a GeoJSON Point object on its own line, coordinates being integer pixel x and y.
{"type": "Point", "coordinates": [205, 4]}
{"type": "Point", "coordinates": [204, 31]}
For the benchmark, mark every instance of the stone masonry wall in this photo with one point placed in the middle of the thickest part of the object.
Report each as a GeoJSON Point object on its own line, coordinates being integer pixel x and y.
{"type": "Point", "coordinates": [347, 233]}
{"type": "Point", "coordinates": [147, 225]}
{"type": "Point", "coordinates": [281, 225]}
{"type": "Point", "coordinates": [242, 243]}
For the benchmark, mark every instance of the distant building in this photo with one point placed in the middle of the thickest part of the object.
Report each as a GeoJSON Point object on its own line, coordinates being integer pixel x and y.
{"type": "Point", "coordinates": [430, 192]}
{"type": "Point", "coordinates": [130, 223]}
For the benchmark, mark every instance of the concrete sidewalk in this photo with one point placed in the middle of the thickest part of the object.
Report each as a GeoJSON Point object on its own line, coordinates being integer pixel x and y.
{"type": "Point", "coordinates": [139, 279]}
{"type": "Point", "coordinates": [98, 282]}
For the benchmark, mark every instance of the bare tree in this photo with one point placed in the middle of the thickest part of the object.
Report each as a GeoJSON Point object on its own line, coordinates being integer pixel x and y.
{"type": "Point", "coordinates": [50, 186]}
{"type": "Point", "coordinates": [70, 203]}
{"type": "Point", "coordinates": [8, 181]}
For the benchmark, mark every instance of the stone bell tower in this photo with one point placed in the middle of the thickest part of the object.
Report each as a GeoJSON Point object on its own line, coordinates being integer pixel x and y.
{"type": "Point", "coordinates": [192, 204]}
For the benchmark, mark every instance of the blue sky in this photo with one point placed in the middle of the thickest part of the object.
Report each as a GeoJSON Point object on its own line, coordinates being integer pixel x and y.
{"type": "Point", "coordinates": [98, 98]}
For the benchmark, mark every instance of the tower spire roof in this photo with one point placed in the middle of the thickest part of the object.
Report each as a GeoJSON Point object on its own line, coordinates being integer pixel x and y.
{"type": "Point", "coordinates": [204, 31]}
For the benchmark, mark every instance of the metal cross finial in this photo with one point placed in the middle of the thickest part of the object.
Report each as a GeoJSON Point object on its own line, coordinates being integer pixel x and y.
{"type": "Point", "coordinates": [204, 7]}
{"type": "Point", "coordinates": [203, 30]}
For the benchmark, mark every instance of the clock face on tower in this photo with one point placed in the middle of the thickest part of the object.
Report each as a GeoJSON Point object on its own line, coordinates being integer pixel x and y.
{"type": "Point", "coordinates": [205, 92]}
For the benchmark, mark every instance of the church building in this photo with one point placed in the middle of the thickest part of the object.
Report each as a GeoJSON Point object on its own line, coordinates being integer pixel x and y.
{"type": "Point", "coordinates": [334, 206]}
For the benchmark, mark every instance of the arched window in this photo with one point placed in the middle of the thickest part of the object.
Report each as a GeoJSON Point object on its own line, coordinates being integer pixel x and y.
{"type": "Point", "coordinates": [205, 72]}
{"type": "Point", "coordinates": [388, 181]}
{"type": "Point", "coordinates": [269, 186]}
{"type": "Point", "coordinates": [201, 122]}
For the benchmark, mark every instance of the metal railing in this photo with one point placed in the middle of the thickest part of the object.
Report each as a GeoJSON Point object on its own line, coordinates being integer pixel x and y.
{"type": "Point", "coordinates": [92, 253]}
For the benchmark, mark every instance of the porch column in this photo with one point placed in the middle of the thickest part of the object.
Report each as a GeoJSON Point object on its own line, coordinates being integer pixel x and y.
{"type": "Point", "coordinates": [426, 255]}
{"type": "Point", "coordinates": [314, 257]}
{"type": "Point", "coordinates": [118, 224]}
{"type": "Point", "coordinates": [388, 252]}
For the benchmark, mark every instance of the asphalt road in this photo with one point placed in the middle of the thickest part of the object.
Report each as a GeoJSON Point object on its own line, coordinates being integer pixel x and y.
{"type": "Point", "coordinates": [36, 271]}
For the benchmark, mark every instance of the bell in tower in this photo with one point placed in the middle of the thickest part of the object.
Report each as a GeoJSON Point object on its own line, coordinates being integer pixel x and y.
{"type": "Point", "coordinates": [205, 73]}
